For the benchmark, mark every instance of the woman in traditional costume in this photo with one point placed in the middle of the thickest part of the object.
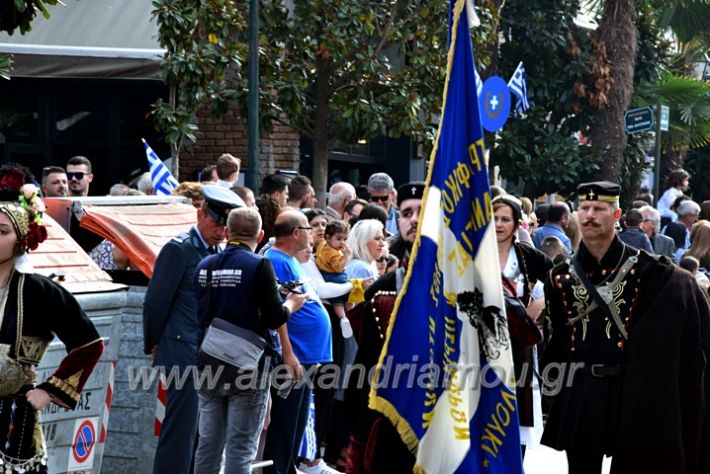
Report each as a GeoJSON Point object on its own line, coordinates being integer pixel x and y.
{"type": "Point", "coordinates": [524, 269]}
{"type": "Point", "coordinates": [33, 309]}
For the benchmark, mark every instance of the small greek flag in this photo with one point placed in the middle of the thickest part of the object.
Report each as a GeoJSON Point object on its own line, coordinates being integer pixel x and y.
{"type": "Point", "coordinates": [163, 180]}
{"type": "Point", "coordinates": [309, 442]}
{"type": "Point", "coordinates": [519, 89]}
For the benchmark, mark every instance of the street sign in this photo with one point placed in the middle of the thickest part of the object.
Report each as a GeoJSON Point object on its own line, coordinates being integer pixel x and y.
{"type": "Point", "coordinates": [665, 117]}
{"type": "Point", "coordinates": [638, 120]}
{"type": "Point", "coordinates": [82, 449]}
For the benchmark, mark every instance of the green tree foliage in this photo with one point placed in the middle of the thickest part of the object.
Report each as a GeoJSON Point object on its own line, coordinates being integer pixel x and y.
{"type": "Point", "coordinates": [634, 166]}
{"type": "Point", "coordinates": [202, 65]}
{"type": "Point", "coordinates": [569, 78]}
{"type": "Point", "coordinates": [696, 164]}
{"type": "Point", "coordinates": [20, 13]}
{"type": "Point", "coordinates": [540, 149]}
{"type": "Point", "coordinates": [688, 22]}
{"type": "Point", "coordinates": [341, 71]}
{"type": "Point", "coordinates": [689, 102]}
{"type": "Point", "coordinates": [687, 19]}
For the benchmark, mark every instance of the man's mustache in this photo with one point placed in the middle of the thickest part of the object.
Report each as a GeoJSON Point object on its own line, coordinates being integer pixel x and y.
{"type": "Point", "coordinates": [590, 224]}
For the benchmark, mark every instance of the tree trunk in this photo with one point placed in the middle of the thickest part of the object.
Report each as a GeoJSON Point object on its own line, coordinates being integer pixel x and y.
{"type": "Point", "coordinates": [617, 31]}
{"type": "Point", "coordinates": [321, 151]}
{"type": "Point", "coordinates": [670, 161]}
{"type": "Point", "coordinates": [322, 142]}
{"type": "Point", "coordinates": [175, 162]}
{"type": "Point", "coordinates": [492, 45]}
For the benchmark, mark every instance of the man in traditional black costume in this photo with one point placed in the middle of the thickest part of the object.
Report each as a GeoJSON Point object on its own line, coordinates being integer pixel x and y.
{"type": "Point", "coordinates": [628, 331]}
{"type": "Point", "coordinates": [375, 445]}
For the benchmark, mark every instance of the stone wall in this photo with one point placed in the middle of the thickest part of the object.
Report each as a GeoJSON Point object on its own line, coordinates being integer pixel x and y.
{"type": "Point", "coordinates": [228, 134]}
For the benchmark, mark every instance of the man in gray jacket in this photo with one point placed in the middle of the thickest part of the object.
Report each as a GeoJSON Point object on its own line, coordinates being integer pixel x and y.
{"type": "Point", "coordinates": [662, 244]}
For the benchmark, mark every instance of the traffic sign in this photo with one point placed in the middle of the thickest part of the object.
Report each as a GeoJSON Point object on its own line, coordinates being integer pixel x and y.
{"type": "Point", "coordinates": [82, 449]}
{"type": "Point", "coordinates": [638, 120]}
{"type": "Point", "coordinates": [665, 117]}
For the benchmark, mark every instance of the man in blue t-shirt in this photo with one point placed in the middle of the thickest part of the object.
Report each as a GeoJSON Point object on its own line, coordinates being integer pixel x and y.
{"type": "Point", "coordinates": [306, 341]}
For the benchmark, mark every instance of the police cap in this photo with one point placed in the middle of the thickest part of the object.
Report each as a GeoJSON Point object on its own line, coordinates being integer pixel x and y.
{"type": "Point", "coordinates": [220, 201]}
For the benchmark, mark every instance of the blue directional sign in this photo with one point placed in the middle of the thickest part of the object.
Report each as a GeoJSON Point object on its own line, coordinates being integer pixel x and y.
{"type": "Point", "coordinates": [494, 103]}
{"type": "Point", "coordinates": [638, 120]}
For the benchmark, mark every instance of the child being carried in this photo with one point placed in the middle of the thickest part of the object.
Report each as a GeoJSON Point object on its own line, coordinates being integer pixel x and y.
{"type": "Point", "coordinates": [331, 257]}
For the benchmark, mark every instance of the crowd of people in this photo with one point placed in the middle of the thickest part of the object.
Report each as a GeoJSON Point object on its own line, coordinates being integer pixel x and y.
{"type": "Point", "coordinates": [309, 288]}
{"type": "Point", "coordinates": [323, 264]}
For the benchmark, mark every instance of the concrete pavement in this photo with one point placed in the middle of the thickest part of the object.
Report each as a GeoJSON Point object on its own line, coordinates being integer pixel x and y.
{"type": "Point", "coordinates": [543, 460]}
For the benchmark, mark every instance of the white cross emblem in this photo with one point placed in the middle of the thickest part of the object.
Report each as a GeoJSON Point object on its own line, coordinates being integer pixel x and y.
{"type": "Point", "coordinates": [414, 190]}
{"type": "Point", "coordinates": [494, 103]}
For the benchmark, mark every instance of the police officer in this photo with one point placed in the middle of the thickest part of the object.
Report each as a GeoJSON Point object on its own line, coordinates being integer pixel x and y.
{"type": "Point", "coordinates": [170, 324]}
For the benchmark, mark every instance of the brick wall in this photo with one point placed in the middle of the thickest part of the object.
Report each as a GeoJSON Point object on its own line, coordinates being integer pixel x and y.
{"type": "Point", "coordinates": [228, 134]}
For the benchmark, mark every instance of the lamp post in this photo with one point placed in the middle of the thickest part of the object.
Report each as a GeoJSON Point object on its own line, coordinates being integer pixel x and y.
{"type": "Point", "coordinates": [252, 178]}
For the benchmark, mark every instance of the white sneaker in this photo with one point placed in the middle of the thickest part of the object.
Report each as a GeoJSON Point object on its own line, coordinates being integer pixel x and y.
{"type": "Point", "coordinates": [346, 328]}
{"type": "Point", "coordinates": [320, 468]}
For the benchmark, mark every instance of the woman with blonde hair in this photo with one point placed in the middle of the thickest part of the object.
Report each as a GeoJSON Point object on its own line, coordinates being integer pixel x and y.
{"type": "Point", "coordinates": [700, 244]}
{"type": "Point", "coordinates": [367, 242]}
{"type": "Point", "coordinates": [192, 190]}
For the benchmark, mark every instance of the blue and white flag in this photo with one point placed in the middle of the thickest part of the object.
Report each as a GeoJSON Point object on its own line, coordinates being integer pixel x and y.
{"type": "Point", "coordinates": [518, 87]}
{"type": "Point", "coordinates": [445, 377]}
{"type": "Point", "coordinates": [163, 180]}
{"type": "Point", "coordinates": [309, 442]}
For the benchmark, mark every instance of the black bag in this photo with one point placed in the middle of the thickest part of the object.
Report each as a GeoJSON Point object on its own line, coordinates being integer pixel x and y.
{"type": "Point", "coordinates": [522, 328]}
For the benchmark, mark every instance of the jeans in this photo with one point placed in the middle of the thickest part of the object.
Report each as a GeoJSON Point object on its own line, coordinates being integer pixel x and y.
{"type": "Point", "coordinates": [233, 417]}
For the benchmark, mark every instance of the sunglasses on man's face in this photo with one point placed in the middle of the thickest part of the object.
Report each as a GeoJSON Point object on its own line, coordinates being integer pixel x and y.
{"type": "Point", "coordinates": [78, 175]}
{"type": "Point", "coordinates": [380, 198]}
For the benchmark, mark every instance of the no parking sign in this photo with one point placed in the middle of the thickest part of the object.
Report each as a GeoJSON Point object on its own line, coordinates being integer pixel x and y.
{"type": "Point", "coordinates": [84, 438]}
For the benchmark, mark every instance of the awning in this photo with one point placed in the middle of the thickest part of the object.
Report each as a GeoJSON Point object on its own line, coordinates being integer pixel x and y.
{"type": "Point", "coordinates": [100, 38]}
{"type": "Point", "coordinates": [61, 258]}
{"type": "Point", "coordinates": [140, 231]}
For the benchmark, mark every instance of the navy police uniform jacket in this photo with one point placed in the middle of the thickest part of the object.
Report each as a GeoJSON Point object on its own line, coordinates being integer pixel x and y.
{"type": "Point", "coordinates": [170, 307]}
